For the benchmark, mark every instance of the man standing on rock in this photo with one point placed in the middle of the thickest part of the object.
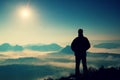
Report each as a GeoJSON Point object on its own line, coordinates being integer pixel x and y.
{"type": "Point", "coordinates": [80, 45]}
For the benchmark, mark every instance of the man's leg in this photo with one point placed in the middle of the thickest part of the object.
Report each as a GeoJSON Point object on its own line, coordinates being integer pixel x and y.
{"type": "Point", "coordinates": [85, 70]}
{"type": "Point", "coordinates": [77, 70]}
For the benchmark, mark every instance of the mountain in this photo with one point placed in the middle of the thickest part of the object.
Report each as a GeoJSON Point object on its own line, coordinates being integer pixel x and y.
{"type": "Point", "coordinates": [7, 47]}
{"type": "Point", "coordinates": [66, 50]}
{"type": "Point", "coordinates": [44, 47]}
{"type": "Point", "coordinates": [36, 47]}
{"type": "Point", "coordinates": [108, 45]}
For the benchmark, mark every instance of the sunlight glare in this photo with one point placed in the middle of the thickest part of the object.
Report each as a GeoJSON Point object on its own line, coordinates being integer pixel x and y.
{"type": "Point", "coordinates": [25, 13]}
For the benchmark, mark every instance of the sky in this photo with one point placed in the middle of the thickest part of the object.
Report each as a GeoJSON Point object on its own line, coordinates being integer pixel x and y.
{"type": "Point", "coordinates": [57, 21]}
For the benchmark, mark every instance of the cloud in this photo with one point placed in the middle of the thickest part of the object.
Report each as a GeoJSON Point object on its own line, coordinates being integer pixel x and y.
{"type": "Point", "coordinates": [7, 47]}
{"type": "Point", "coordinates": [103, 59]}
{"type": "Point", "coordinates": [61, 60]}
{"type": "Point", "coordinates": [50, 65]}
{"type": "Point", "coordinates": [63, 65]}
{"type": "Point", "coordinates": [107, 45]}
{"type": "Point", "coordinates": [23, 60]}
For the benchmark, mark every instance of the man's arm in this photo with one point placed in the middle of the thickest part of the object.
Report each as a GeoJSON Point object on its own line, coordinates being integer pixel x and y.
{"type": "Point", "coordinates": [87, 44]}
{"type": "Point", "coordinates": [73, 45]}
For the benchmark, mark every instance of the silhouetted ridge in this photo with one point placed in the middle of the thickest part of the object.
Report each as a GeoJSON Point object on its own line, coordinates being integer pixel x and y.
{"type": "Point", "coordinates": [107, 45]}
{"type": "Point", "coordinates": [44, 47]}
{"type": "Point", "coordinates": [94, 74]}
{"type": "Point", "coordinates": [67, 50]}
{"type": "Point", "coordinates": [7, 47]}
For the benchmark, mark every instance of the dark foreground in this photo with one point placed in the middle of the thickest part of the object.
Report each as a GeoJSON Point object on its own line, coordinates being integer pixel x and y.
{"type": "Point", "coordinates": [94, 74]}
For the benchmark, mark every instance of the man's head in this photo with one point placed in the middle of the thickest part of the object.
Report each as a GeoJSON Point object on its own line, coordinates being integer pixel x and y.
{"type": "Point", "coordinates": [80, 32]}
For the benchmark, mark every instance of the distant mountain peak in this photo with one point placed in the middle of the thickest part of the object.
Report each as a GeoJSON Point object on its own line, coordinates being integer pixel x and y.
{"type": "Point", "coordinates": [67, 50]}
{"type": "Point", "coordinates": [107, 45]}
{"type": "Point", "coordinates": [44, 47]}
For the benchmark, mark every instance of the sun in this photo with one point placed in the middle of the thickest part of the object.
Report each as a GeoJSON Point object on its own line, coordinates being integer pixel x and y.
{"type": "Point", "coordinates": [25, 13]}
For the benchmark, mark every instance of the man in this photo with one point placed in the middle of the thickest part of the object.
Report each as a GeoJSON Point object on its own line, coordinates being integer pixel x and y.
{"type": "Point", "coordinates": [80, 45]}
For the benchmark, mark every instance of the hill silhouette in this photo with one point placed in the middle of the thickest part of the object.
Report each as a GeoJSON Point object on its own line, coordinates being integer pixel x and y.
{"type": "Point", "coordinates": [107, 45]}
{"type": "Point", "coordinates": [44, 47]}
{"type": "Point", "coordinates": [66, 50]}
{"type": "Point", "coordinates": [96, 74]}
{"type": "Point", "coordinates": [8, 47]}
{"type": "Point", "coordinates": [35, 47]}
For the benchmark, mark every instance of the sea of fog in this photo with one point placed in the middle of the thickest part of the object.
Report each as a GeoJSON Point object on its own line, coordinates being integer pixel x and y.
{"type": "Point", "coordinates": [37, 65]}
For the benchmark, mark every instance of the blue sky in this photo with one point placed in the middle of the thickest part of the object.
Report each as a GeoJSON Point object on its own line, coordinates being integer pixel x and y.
{"type": "Point", "coordinates": [57, 21]}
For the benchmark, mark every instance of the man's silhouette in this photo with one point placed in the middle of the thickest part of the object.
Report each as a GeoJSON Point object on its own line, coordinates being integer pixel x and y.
{"type": "Point", "coordinates": [80, 45]}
